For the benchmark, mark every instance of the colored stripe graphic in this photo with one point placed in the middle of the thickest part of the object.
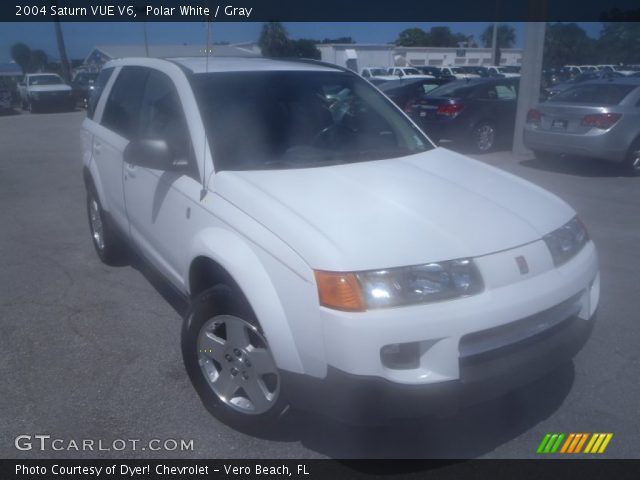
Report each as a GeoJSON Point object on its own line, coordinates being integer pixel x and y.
{"type": "Point", "coordinates": [574, 443]}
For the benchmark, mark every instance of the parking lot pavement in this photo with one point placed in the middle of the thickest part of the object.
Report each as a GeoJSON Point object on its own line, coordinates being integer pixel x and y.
{"type": "Point", "coordinates": [92, 352]}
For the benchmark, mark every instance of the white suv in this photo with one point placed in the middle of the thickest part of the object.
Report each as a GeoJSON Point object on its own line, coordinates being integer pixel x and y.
{"type": "Point", "coordinates": [334, 258]}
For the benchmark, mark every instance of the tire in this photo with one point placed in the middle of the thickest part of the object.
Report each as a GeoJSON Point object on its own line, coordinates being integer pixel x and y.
{"type": "Point", "coordinates": [229, 361]}
{"type": "Point", "coordinates": [484, 136]}
{"type": "Point", "coordinates": [108, 244]}
{"type": "Point", "coordinates": [632, 162]}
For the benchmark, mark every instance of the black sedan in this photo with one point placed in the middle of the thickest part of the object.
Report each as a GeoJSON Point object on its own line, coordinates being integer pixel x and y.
{"type": "Point", "coordinates": [479, 112]}
{"type": "Point", "coordinates": [406, 91]}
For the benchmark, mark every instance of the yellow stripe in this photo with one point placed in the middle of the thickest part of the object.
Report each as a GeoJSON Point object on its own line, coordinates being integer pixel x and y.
{"type": "Point", "coordinates": [605, 443]}
{"type": "Point", "coordinates": [574, 443]}
{"type": "Point", "coordinates": [567, 442]}
{"type": "Point", "coordinates": [596, 445]}
{"type": "Point", "coordinates": [584, 439]}
{"type": "Point", "coordinates": [591, 442]}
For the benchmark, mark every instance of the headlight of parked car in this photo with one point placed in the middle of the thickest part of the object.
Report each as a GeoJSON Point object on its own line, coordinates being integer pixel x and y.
{"type": "Point", "coordinates": [565, 242]}
{"type": "Point", "coordinates": [359, 291]}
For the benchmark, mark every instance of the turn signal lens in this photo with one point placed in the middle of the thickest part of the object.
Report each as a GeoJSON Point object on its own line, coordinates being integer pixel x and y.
{"type": "Point", "coordinates": [340, 291]}
{"type": "Point", "coordinates": [534, 116]}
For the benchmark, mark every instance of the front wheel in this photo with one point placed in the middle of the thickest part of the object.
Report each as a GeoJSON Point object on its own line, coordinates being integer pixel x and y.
{"type": "Point", "coordinates": [229, 361]}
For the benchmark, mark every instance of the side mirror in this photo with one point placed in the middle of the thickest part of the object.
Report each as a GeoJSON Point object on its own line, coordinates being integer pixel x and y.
{"type": "Point", "coordinates": [154, 154]}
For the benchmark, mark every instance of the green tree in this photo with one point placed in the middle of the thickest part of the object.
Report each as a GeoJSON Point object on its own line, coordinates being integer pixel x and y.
{"type": "Point", "coordinates": [444, 37]}
{"type": "Point", "coordinates": [21, 54]}
{"type": "Point", "coordinates": [38, 60]}
{"type": "Point", "coordinates": [567, 43]}
{"type": "Point", "coordinates": [506, 36]}
{"type": "Point", "coordinates": [619, 42]}
{"type": "Point", "coordinates": [412, 37]}
{"type": "Point", "coordinates": [305, 48]}
{"type": "Point", "coordinates": [274, 41]}
{"type": "Point", "coordinates": [338, 40]}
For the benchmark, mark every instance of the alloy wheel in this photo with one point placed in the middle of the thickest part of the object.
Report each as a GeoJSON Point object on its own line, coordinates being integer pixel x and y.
{"type": "Point", "coordinates": [485, 136]}
{"type": "Point", "coordinates": [237, 365]}
{"type": "Point", "coordinates": [97, 229]}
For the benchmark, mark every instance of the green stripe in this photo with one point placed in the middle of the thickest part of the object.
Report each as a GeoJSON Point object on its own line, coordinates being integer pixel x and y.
{"type": "Point", "coordinates": [543, 443]}
{"type": "Point", "coordinates": [547, 449]}
{"type": "Point", "coordinates": [557, 445]}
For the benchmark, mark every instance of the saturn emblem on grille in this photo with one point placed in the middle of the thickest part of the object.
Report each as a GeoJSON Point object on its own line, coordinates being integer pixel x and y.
{"type": "Point", "coordinates": [522, 265]}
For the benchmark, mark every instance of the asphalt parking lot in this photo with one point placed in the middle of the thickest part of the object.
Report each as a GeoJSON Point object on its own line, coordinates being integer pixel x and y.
{"type": "Point", "coordinates": [92, 352]}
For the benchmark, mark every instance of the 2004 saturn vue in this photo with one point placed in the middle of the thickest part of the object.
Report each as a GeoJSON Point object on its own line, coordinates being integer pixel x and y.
{"type": "Point", "coordinates": [333, 257]}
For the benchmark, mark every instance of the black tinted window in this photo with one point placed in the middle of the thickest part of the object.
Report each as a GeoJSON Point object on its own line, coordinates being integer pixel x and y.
{"type": "Point", "coordinates": [258, 120]}
{"type": "Point", "coordinates": [161, 115]}
{"type": "Point", "coordinates": [101, 81]}
{"type": "Point", "coordinates": [121, 113]}
{"type": "Point", "coordinates": [597, 94]}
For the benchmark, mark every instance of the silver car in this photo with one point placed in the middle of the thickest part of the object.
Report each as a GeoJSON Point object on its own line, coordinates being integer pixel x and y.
{"type": "Point", "coordinates": [598, 119]}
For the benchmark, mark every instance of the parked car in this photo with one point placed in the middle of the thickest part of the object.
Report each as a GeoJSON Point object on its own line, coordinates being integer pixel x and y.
{"type": "Point", "coordinates": [477, 70]}
{"type": "Point", "coordinates": [504, 72]}
{"type": "Point", "coordinates": [6, 94]}
{"type": "Point", "coordinates": [617, 68]}
{"type": "Point", "coordinates": [457, 73]}
{"type": "Point", "coordinates": [45, 90]}
{"type": "Point", "coordinates": [82, 85]}
{"type": "Point", "coordinates": [479, 112]}
{"type": "Point", "coordinates": [407, 72]}
{"type": "Point", "coordinates": [333, 258]}
{"type": "Point", "coordinates": [580, 78]}
{"type": "Point", "coordinates": [406, 91]}
{"type": "Point", "coordinates": [598, 119]}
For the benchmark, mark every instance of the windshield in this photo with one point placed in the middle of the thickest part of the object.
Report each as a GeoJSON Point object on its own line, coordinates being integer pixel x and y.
{"type": "Point", "coordinates": [594, 94]}
{"type": "Point", "coordinates": [377, 71]}
{"type": "Point", "coordinates": [45, 80]}
{"type": "Point", "coordinates": [452, 89]}
{"type": "Point", "coordinates": [411, 71]}
{"type": "Point", "coordinates": [298, 119]}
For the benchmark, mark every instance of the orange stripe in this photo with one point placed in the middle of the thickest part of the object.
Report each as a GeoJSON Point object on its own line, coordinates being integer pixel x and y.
{"type": "Point", "coordinates": [575, 442]}
{"type": "Point", "coordinates": [584, 439]}
{"type": "Point", "coordinates": [567, 442]}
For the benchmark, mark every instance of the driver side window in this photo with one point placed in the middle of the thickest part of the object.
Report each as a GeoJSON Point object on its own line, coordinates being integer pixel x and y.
{"type": "Point", "coordinates": [162, 118]}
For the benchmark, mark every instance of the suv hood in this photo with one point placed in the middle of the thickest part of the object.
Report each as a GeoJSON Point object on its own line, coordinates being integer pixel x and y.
{"type": "Point", "coordinates": [432, 206]}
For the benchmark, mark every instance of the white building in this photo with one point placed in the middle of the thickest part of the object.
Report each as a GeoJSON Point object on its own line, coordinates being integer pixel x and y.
{"type": "Point", "coordinates": [357, 56]}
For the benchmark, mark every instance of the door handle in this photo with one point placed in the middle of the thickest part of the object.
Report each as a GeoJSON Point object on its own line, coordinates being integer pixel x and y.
{"type": "Point", "coordinates": [130, 169]}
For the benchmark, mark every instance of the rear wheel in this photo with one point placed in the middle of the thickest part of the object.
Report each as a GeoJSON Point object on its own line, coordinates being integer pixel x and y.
{"type": "Point", "coordinates": [106, 241]}
{"type": "Point", "coordinates": [229, 361]}
{"type": "Point", "coordinates": [484, 136]}
{"type": "Point", "coordinates": [632, 162]}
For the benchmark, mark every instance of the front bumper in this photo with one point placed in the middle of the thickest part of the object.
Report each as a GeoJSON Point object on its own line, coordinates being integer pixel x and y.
{"type": "Point", "coordinates": [367, 400]}
{"type": "Point", "coordinates": [467, 350]}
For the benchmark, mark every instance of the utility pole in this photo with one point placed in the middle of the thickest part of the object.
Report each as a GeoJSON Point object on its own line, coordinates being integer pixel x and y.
{"type": "Point", "coordinates": [146, 41]}
{"type": "Point", "coordinates": [531, 74]}
{"type": "Point", "coordinates": [64, 60]}
{"type": "Point", "coordinates": [494, 38]}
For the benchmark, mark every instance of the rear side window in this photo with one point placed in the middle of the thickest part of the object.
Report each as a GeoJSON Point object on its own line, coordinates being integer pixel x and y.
{"type": "Point", "coordinates": [122, 111]}
{"type": "Point", "coordinates": [101, 81]}
{"type": "Point", "coordinates": [596, 94]}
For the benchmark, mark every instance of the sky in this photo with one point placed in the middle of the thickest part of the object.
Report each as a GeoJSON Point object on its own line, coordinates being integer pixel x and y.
{"type": "Point", "coordinates": [81, 37]}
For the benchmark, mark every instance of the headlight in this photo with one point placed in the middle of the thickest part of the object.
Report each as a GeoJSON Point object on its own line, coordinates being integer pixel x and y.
{"type": "Point", "coordinates": [394, 287]}
{"type": "Point", "coordinates": [565, 242]}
